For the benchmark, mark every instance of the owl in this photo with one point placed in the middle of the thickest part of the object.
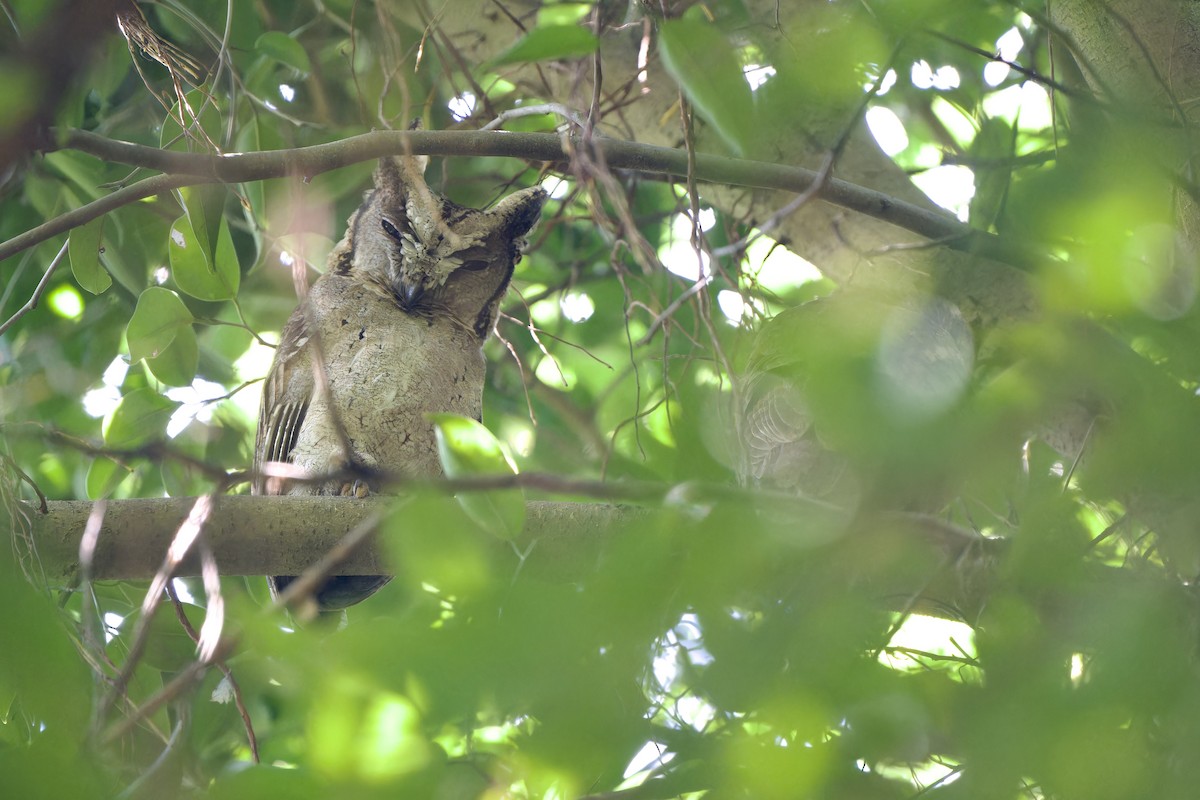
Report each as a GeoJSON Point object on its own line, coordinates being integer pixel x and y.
{"type": "Point", "coordinates": [914, 359]}
{"type": "Point", "coordinates": [392, 331]}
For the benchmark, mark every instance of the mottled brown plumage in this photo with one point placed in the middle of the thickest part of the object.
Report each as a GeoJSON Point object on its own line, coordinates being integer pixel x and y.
{"type": "Point", "coordinates": [392, 331]}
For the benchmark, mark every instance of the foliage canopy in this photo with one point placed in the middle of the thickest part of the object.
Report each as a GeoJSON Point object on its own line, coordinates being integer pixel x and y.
{"type": "Point", "coordinates": [968, 572]}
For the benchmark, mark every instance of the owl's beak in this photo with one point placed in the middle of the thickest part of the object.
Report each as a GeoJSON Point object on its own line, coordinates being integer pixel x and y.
{"type": "Point", "coordinates": [410, 293]}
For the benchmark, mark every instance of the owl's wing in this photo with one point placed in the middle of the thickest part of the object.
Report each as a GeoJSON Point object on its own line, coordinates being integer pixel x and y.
{"type": "Point", "coordinates": [775, 422]}
{"type": "Point", "coordinates": [287, 393]}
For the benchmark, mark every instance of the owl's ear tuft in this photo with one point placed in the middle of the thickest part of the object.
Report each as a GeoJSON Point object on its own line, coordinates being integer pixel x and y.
{"type": "Point", "coordinates": [520, 211]}
{"type": "Point", "coordinates": [387, 173]}
{"type": "Point", "coordinates": [401, 192]}
{"type": "Point", "coordinates": [417, 163]}
{"type": "Point", "coordinates": [393, 172]}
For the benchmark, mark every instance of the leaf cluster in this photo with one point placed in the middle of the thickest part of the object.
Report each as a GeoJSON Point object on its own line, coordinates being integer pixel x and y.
{"type": "Point", "coordinates": [786, 633]}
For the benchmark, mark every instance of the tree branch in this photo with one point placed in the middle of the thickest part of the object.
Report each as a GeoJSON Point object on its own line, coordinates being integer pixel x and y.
{"type": "Point", "coordinates": [285, 535]}
{"type": "Point", "coordinates": [907, 562]}
{"type": "Point", "coordinates": [268, 535]}
{"type": "Point", "coordinates": [187, 169]}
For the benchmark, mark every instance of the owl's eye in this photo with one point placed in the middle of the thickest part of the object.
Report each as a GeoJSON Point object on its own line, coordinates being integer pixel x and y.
{"type": "Point", "coordinates": [474, 266]}
{"type": "Point", "coordinates": [390, 229]}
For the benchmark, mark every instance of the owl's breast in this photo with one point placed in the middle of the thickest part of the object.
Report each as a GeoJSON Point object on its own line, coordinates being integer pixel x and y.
{"type": "Point", "coordinates": [386, 370]}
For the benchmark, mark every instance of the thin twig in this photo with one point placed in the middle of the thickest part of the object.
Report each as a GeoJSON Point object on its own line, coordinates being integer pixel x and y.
{"type": "Point", "coordinates": [182, 683]}
{"type": "Point", "coordinates": [675, 305]}
{"type": "Point", "coordinates": [185, 537]}
{"type": "Point", "coordinates": [32, 303]}
{"type": "Point", "coordinates": [152, 451]}
{"type": "Point", "coordinates": [535, 331]}
{"type": "Point", "coordinates": [24, 476]}
{"type": "Point", "coordinates": [89, 616]}
{"type": "Point", "coordinates": [512, 351]}
{"type": "Point", "coordinates": [558, 109]}
{"type": "Point", "coordinates": [238, 699]}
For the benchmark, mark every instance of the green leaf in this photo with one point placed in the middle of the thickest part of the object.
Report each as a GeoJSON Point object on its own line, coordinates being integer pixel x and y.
{"type": "Point", "coordinates": [141, 416]}
{"type": "Point", "coordinates": [109, 70]}
{"type": "Point", "coordinates": [993, 150]}
{"type": "Point", "coordinates": [562, 13]}
{"type": "Point", "coordinates": [168, 647]}
{"type": "Point", "coordinates": [83, 172]}
{"type": "Point", "coordinates": [258, 781]}
{"type": "Point", "coordinates": [158, 318]}
{"type": "Point", "coordinates": [432, 539]}
{"type": "Point", "coordinates": [46, 195]}
{"type": "Point", "coordinates": [103, 476]}
{"type": "Point", "coordinates": [227, 268]}
{"type": "Point", "coordinates": [284, 49]}
{"type": "Point", "coordinates": [250, 139]}
{"type": "Point", "coordinates": [84, 248]}
{"type": "Point", "coordinates": [704, 65]}
{"type": "Point", "coordinates": [134, 238]}
{"type": "Point", "coordinates": [179, 479]}
{"type": "Point", "coordinates": [203, 205]}
{"type": "Point", "coordinates": [189, 267]}
{"type": "Point", "coordinates": [194, 274]}
{"type": "Point", "coordinates": [38, 664]}
{"type": "Point", "coordinates": [553, 42]}
{"type": "Point", "coordinates": [468, 449]}
{"type": "Point", "coordinates": [176, 365]}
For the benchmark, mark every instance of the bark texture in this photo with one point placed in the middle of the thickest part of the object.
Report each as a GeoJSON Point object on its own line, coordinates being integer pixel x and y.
{"type": "Point", "coordinates": [272, 535]}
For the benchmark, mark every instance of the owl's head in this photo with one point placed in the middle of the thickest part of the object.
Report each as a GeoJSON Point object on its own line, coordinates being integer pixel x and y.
{"type": "Point", "coordinates": [436, 257]}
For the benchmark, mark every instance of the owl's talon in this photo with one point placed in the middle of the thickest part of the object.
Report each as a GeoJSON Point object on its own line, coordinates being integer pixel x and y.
{"type": "Point", "coordinates": [357, 488]}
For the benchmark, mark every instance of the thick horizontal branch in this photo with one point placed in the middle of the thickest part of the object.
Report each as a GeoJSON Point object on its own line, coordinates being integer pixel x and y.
{"type": "Point", "coordinates": [285, 535]}
{"type": "Point", "coordinates": [907, 562]}
{"type": "Point", "coordinates": [185, 169]}
{"type": "Point", "coordinates": [265, 535]}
